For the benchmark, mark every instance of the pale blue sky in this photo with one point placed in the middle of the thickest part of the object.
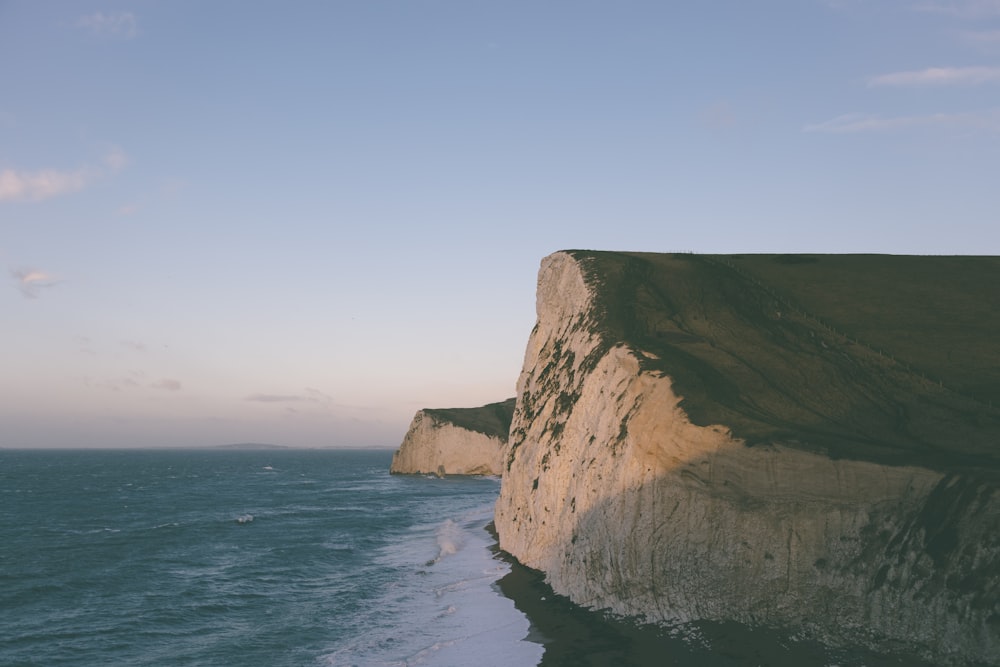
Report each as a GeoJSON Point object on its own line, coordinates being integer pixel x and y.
{"type": "Point", "coordinates": [299, 222]}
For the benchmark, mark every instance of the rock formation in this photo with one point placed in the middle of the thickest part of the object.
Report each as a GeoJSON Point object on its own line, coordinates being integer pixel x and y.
{"type": "Point", "coordinates": [799, 442]}
{"type": "Point", "coordinates": [455, 441]}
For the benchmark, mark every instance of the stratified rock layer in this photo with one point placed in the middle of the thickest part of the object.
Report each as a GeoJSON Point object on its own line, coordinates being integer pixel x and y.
{"type": "Point", "coordinates": [455, 441]}
{"type": "Point", "coordinates": [810, 508]}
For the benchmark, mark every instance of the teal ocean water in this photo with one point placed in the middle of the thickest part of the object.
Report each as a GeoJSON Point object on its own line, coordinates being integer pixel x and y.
{"type": "Point", "coordinates": [299, 558]}
{"type": "Point", "coordinates": [246, 558]}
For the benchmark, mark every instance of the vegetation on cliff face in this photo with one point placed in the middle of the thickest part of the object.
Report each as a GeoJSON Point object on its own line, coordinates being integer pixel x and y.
{"type": "Point", "coordinates": [492, 419]}
{"type": "Point", "coordinates": [890, 359]}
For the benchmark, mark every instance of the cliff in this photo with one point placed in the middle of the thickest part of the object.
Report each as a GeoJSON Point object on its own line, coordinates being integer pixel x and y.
{"type": "Point", "coordinates": [805, 442]}
{"type": "Point", "coordinates": [455, 441]}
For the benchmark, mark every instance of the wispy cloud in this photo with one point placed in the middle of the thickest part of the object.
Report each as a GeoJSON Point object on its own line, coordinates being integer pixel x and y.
{"type": "Point", "coordinates": [985, 41]}
{"type": "Point", "coordinates": [276, 398]}
{"type": "Point", "coordinates": [22, 185]}
{"type": "Point", "coordinates": [85, 344]}
{"type": "Point", "coordinates": [31, 282]}
{"type": "Point", "coordinates": [939, 76]}
{"type": "Point", "coordinates": [41, 184]}
{"type": "Point", "coordinates": [123, 25]}
{"type": "Point", "coordinates": [135, 345]}
{"type": "Point", "coordinates": [167, 384]}
{"type": "Point", "coordinates": [719, 116]}
{"type": "Point", "coordinates": [115, 159]}
{"type": "Point", "coordinates": [134, 380]}
{"type": "Point", "coordinates": [966, 9]}
{"type": "Point", "coordinates": [849, 123]}
{"type": "Point", "coordinates": [309, 395]}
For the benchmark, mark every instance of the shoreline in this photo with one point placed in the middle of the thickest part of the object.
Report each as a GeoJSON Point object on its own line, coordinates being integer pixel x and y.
{"type": "Point", "coordinates": [574, 636]}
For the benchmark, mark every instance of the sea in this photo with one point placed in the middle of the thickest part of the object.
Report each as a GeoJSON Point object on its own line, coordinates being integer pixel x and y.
{"type": "Point", "coordinates": [219, 557]}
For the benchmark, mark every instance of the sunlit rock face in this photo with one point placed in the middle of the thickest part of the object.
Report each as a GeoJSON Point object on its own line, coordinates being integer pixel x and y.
{"type": "Point", "coordinates": [457, 441]}
{"type": "Point", "coordinates": [626, 504]}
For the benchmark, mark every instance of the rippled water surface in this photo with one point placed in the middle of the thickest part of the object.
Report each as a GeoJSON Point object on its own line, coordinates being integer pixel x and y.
{"type": "Point", "coordinates": [244, 557]}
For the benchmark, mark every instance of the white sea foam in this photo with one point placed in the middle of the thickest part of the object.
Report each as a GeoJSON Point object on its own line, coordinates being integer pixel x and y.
{"type": "Point", "coordinates": [244, 518]}
{"type": "Point", "coordinates": [446, 612]}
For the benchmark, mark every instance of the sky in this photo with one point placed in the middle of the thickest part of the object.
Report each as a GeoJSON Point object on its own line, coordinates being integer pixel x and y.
{"type": "Point", "coordinates": [300, 222]}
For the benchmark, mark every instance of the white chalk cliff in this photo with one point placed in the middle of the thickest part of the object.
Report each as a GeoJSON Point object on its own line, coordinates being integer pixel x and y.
{"type": "Point", "coordinates": [457, 441]}
{"type": "Point", "coordinates": [627, 503]}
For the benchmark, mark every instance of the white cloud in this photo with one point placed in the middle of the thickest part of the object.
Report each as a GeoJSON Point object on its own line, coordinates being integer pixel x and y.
{"type": "Point", "coordinates": [31, 282]}
{"type": "Point", "coordinates": [118, 24]}
{"type": "Point", "coordinates": [849, 123]}
{"type": "Point", "coordinates": [41, 184]}
{"type": "Point", "coordinates": [939, 76]}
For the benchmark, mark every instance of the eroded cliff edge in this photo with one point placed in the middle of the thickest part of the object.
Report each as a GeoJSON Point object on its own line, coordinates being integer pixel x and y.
{"type": "Point", "coordinates": [748, 439]}
{"type": "Point", "coordinates": [455, 441]}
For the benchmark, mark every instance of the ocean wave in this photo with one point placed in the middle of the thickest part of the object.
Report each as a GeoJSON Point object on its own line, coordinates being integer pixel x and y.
{"type": "Point", "coordinates": [450, 540]}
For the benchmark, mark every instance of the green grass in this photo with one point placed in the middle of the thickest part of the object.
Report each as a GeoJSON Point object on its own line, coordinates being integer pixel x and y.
{"type": "Point", "coordinates": [894, 359]}
{"type": "Point", "coordinates": [492, 419]}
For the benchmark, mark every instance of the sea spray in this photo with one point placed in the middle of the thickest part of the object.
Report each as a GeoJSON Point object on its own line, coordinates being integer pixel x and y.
{"type": "Point", "coordinates": [449, 540]}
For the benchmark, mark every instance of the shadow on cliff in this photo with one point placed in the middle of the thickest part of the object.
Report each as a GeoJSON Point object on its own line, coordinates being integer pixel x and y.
{"type": "Point", "coordinates": [574, 636]}
{"type": "Point", "coordinates": [942, 556]}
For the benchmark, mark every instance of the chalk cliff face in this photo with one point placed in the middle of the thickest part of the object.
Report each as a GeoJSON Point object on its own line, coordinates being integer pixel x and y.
{"type": "Point", "coordinates": [749, 513]}
{"type": "Point", "coordinates": [457, 441]}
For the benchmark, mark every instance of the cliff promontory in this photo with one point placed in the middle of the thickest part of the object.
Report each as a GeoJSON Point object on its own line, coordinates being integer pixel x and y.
{"type": "Point", "coordinates": [455, 441]}
{"type": "Point", "coordinates": [805, 442]}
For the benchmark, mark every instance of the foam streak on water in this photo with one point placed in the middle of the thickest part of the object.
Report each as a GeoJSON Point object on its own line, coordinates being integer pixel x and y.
{"type": "Point", "coordinates": [249, 558]}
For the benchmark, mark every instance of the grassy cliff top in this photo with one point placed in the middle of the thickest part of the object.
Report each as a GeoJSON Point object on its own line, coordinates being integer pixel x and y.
{"type": "Point", "coordinates": [492, 419]}
{"type": "Point", "coordinates": [894, 359]}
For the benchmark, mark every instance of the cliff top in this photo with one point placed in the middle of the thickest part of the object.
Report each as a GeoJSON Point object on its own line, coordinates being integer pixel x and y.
{"type": "Point", "coordinates": [894, 359]}
{"type": "Point", "coordinates": [492, 419]}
